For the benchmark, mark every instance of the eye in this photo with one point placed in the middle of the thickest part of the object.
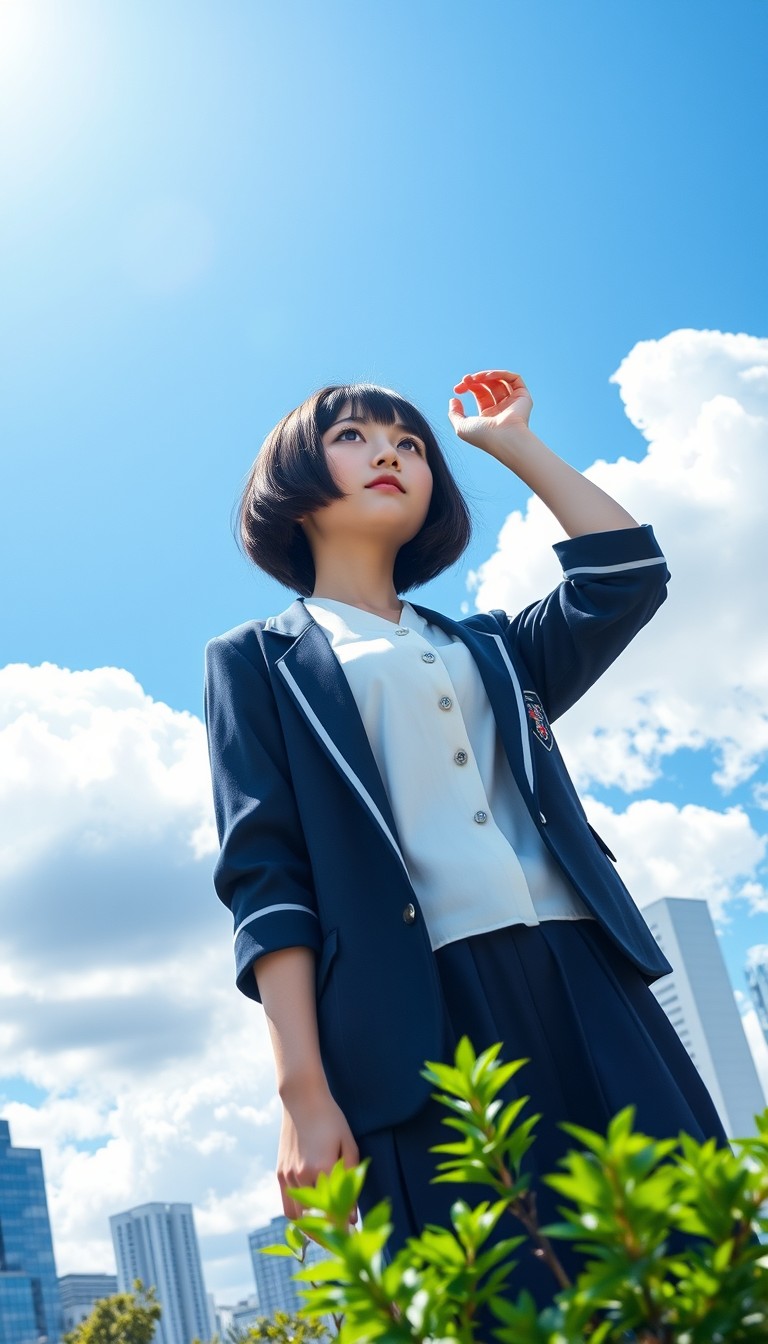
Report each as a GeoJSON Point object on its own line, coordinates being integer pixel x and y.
{"type": "Point", "coordinates": [350, 430]}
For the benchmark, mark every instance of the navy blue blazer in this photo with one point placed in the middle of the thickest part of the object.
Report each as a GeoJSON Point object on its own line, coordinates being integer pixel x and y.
{"type": "Point", "coordinates": [310, 853]}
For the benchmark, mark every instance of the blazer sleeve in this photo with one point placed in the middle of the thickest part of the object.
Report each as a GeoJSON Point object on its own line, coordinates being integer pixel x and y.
{"type": "Point", "coordinates": [613, 582]}
{"type": "Point", "coordinates": [263, 872]}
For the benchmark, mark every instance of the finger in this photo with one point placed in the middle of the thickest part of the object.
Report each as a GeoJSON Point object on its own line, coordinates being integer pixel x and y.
{"type": "Point", "coordinates": [291, 1207]}
{"type": "Point", "coordinates": [504, 389]}
{"type": "Point", "coordinates": [349, 1151]}
{"type": "Point", "coordinates": [485, 393]}
{"type": "Point", "coordinates": [483, 396]}
{"type": "Point", "coordinates": [500, 373]}
{"type": "Point", "coordinates": [483, 374]}
{"type": "Point", "coordinates": [499, 384]}
{"type": "Point", "coordinates": [500, 387]}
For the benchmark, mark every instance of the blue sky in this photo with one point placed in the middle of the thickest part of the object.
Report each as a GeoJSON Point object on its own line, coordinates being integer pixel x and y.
{"type": "Point", "coordinates": [211, 210]}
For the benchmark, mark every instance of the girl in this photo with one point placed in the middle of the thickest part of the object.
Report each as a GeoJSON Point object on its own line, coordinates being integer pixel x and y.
{"type": "Point", "coordinates": [402, 849]}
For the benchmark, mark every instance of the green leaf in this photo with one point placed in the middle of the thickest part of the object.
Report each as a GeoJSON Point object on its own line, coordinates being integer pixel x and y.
{"type": "Point", "coordinates": [465, 1056]}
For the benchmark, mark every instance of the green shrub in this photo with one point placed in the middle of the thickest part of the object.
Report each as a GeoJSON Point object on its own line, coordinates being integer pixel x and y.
{"type": "Point", "coordinates": [123, 1318]}
{"type": "Point", "coordinates": [284, 1327]}
{"type": "Point", "coordinates": [625, 1192]}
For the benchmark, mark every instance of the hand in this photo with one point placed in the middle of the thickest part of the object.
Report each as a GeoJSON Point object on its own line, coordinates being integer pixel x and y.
{"type": "Point", "coordinates": [313, 1135]}
{"type": "Point", "coordinates": [503, 401]}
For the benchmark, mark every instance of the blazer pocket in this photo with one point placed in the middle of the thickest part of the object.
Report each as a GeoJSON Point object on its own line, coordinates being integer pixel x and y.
{"type": "Point", "coordinates": [602, 844]}
{"type": "Point", "coordinates": [327, 954]}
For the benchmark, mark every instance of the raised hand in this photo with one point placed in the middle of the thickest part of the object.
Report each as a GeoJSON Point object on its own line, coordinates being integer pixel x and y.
{"type": "Point", "coordinates": [503, 401]}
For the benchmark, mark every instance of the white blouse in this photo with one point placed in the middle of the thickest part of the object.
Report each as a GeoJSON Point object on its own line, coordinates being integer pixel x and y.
{"type": "Point", "coordinates": [475, 858]}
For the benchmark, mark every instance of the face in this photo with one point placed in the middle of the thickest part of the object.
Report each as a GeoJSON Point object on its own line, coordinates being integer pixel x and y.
{"type": "Point", "coordinates": [357, 452]}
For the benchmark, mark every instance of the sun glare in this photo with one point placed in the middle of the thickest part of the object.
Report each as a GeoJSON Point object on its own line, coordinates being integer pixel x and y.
{"type": "Point", "coordinates": [54, 70]}
{"type": "Point", "coordinates": [21, 23]}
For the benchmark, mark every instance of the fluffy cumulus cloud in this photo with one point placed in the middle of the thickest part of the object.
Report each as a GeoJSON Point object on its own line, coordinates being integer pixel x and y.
{"type": "Point", "coordinates": [697, 676]}
{"type": "Point", "coordinates": [664, 850]}
{"type": "Point", "coordinates": [116, 975]}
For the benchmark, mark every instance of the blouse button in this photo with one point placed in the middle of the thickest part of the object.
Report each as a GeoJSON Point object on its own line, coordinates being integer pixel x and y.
{"type": "Point", "coordinates": [480, 817]}
{"type": "Point", "coordinates": [401, 630]}
{"type": "Point", "coordinates": [445, 702]}
{"type": "Point", "coordinates": [460, 757]}
{"type": "Point", "coordinates": [428, 657]}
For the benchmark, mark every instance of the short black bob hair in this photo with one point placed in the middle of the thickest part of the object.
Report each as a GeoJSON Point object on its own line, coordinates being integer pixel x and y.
{"type": "Point", "coordinates": [290, 478]}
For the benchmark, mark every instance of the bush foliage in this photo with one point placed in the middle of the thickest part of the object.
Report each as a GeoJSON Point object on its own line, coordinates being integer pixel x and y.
{"type": "Point", "coordinates": [624, 1193]}
{"type": "Point", "coordinates": [124, 1318]}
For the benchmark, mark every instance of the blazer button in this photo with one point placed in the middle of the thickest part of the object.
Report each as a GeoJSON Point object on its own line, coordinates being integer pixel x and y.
{"type": "Point", "coordinates": [409, 913]}
{"type": "Point", "coordinates": [445, 702]}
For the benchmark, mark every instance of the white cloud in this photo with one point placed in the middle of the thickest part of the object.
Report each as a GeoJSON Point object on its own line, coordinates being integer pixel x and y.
{"type": "Point", "coordinates": [697, 675]}
{"type": "Point", "coordinates": [691, 851]}
{"type": "Point", "coordinates": [117, 992]}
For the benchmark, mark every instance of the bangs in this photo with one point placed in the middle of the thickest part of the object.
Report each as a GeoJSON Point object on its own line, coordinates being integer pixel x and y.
{"type": "Point", "coordinates": [368, 402]}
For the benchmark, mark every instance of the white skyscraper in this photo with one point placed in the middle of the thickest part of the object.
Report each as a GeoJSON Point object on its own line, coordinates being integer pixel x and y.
{"type": "Point", "coordinates": [157, 1243]}
{"type": "Point", "coordinates": [699, 1002]}
{"type": "Point", "coordinates": [757, 983]}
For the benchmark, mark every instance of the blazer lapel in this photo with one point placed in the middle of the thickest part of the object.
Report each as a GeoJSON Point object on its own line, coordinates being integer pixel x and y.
{"type": "Point", "coordinates": [313, 677]}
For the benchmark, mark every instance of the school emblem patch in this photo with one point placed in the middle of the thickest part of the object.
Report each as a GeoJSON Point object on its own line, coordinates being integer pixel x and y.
{"type": "Point", "coordinates": [538, 719]}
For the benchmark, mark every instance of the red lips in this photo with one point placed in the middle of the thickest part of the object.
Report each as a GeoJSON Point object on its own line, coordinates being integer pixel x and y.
{"type": "Point", "coordinates": [385, 480]}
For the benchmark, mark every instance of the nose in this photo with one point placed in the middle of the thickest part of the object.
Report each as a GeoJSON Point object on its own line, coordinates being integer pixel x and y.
{"type": "Point", "coordinates": [386, 451]}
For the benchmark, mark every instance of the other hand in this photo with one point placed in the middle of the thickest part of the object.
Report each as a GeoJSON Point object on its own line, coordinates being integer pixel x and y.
{"type": "Point", "coordinates": [314, 1134]}
{"type": "Point", "coordinates": [503, 402]}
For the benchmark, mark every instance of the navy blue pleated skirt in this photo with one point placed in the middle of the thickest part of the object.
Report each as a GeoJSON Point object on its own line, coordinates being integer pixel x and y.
{"type": "Point", "coordinates": [562, 995]}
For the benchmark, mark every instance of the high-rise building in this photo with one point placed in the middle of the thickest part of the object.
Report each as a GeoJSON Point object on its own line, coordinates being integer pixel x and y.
{"type": "Point", "coordinates": [757, 983]}
{"type": "Point", "coordinates": [245, 1313]}
{"type": "Point", "coordinates": [699, 1001]}
{"type": "Point", "coordinates": [276, 1288]}
{"type": "Point", "coordinates": [30, 1309]}
{"type": "Point", "coordinates": [214, 1317]}
{"type": "Point", "coordinates": [157, 1243]}
{"type": "Point", "coordinates": [79, 1294]}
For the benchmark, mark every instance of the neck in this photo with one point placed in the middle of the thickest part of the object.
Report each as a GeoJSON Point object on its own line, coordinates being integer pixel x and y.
{"type": "Point", "coordinates": [367, 585]}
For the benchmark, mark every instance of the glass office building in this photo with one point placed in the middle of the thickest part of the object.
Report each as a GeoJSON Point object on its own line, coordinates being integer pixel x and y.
{"type": "Point", "coordinates": [276, 1287]}
{"type": "Point", "coordinates": [30, 1310]}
